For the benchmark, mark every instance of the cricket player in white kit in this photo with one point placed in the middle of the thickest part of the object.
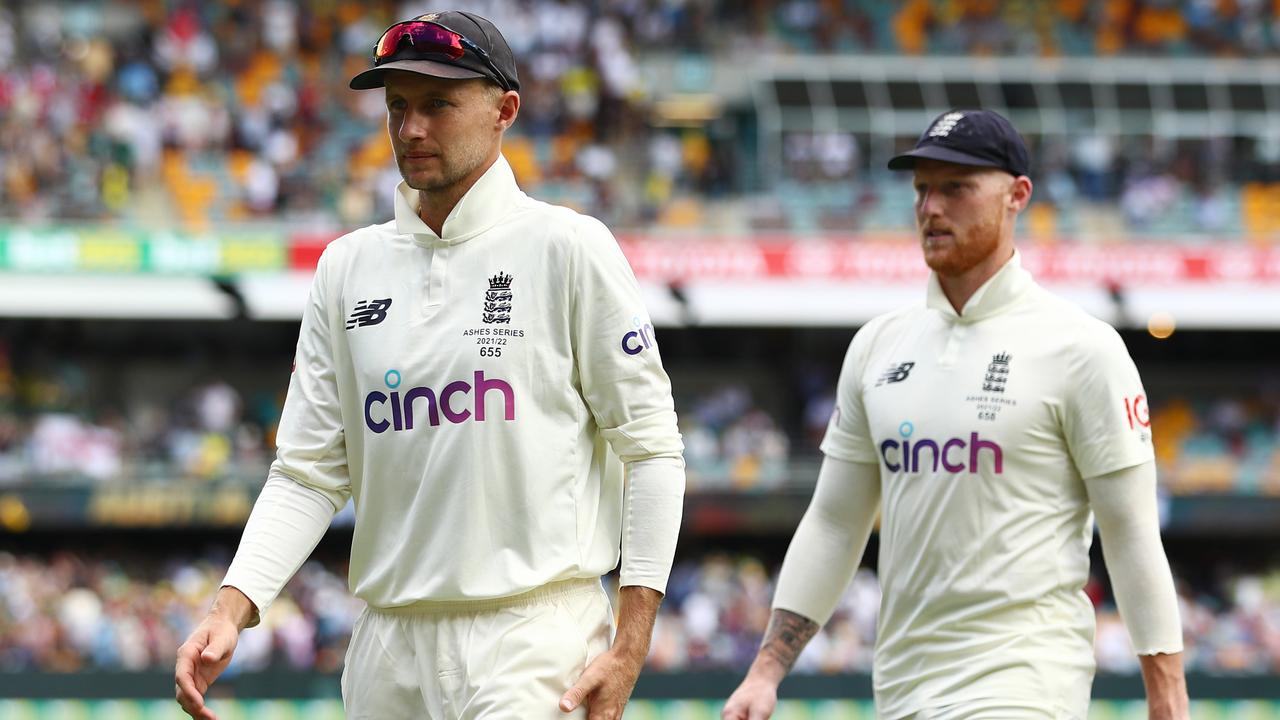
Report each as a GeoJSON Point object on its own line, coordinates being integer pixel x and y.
{"type": "Point", "coordinates": [476, 375]}
{"type": "Point", "coordinates": [988, 426]}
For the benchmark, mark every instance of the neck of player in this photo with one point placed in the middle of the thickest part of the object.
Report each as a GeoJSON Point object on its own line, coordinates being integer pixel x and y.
{"type": "Point", "coordinates": [959, 288]}
{"type": "Point", "coordinates": [434, 206]}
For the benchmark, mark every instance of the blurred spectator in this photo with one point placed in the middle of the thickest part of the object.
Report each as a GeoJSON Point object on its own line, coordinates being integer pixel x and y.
{"type": "Point", "coordinates": [68, 613]}
{"type": "Point", "coordinates": [1231, 444]}
{"type": "Point", "coordinates": [52, 427]}
{"type": "Point", "coordinates": [196, 115]}
{"type": "Point", "coordinates": [729, 442]}
{"type": "Point", "coordinates": [63, 613]}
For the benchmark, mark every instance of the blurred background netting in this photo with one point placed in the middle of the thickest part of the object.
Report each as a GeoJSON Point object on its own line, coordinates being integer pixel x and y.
{"type": "Point", "coordinates": [170, 172]}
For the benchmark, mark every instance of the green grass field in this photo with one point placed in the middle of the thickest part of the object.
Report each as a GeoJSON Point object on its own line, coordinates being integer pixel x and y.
{"type": "Point", "coordinates": [637, 710]}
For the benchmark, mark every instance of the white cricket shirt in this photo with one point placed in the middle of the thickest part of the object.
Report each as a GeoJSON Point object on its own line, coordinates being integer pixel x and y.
{"type": "Point", "coordinates": [473, 396]}
{"type": "Point", "coordinates": [984, 424]}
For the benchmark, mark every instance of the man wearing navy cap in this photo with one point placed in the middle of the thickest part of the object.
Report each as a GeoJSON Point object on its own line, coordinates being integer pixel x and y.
{"type": "Point", "coordinates": [987, 425]}
{"type": "Point", "coordinates": [471, 376]}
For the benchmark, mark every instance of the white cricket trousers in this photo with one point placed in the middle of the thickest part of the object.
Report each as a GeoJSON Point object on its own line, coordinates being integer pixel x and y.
{"type": "Point", "coordinates": [506, 658]}
{"type": "Point", "coordinates": [993, 709]}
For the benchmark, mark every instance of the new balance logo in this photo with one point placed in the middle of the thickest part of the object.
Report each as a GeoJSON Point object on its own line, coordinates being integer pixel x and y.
{"type": "Point", "coordinates": [368, 312]}
{"type": "Point", "coordinates": [896, 373]}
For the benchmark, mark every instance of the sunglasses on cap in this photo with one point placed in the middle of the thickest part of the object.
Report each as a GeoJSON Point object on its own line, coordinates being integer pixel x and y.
{"type": "Point", "coordinates": [431, 41]}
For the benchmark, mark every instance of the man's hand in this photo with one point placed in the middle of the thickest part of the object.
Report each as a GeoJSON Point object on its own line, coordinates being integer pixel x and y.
{"type": "Point", "coordinates": [207, 652]}
{"type": "Point", "coordinates": [1166, 687]}
{"type": "Point", "coordinates": [755, 699]}
{"type": "Point", "coordinates": [607, 682]}
{"type": "Point", "coordinates": [757, 696]}
{"type": "Point", "coordinates": [605, 685]}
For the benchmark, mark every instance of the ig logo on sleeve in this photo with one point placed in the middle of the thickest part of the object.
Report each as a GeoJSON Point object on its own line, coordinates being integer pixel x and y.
{"type": "Point", "coordinates": [1137, 412]}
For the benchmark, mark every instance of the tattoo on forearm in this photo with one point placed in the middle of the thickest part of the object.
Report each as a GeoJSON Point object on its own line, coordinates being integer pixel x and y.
{"type": "Point", "coordinates": [787, 635]}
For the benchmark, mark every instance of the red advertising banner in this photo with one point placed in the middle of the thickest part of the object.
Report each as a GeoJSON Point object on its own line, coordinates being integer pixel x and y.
{"type": "Point", "coordinates": [783, 258]}
{"type": "Point", "coordinates": [894, 262]}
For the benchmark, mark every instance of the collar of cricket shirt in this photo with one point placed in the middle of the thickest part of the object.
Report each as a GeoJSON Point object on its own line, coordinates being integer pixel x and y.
{"type": "Point", "coordinates": [493, 195]}
{"type": "Point", "coordinates": [996, 295]}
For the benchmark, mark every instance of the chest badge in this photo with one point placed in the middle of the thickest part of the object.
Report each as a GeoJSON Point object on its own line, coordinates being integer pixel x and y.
{"type": "Point", "coordinates": [997, 373]}
{"type": "Point", "coordinates": [497, 300]}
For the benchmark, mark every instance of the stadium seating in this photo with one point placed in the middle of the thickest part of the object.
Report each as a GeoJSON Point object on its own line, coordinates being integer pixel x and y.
{"type": "Point", "coordinates": [161, 120]}
{"type": "Point", "coordinates": [75, 613]}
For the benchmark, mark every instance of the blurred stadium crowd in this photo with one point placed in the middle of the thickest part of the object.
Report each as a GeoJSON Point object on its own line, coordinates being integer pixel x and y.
{"type": "Point", "coordinates": [50, 432]}
{"type": "Point", "coordinates": [69, 613]}
{"type": "Point", "coordinates": [194, 115]}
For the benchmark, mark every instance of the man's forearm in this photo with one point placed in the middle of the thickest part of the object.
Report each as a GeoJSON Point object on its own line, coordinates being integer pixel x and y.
{"type": "Point", "coordinates": [637, 611]}
{"type": "Point", "coordinates": [829, 541]}
{"type": "Point", "coordinates": [1166, 685]}
{"type": "Point", "coordinates": [821, 559]}
{"type": "Point", "coordinates": [784, 639]}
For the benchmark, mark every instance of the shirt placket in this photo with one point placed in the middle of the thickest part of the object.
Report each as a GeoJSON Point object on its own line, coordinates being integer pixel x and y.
{"type": "Point", "coordinates": [956, 337]}
{"type": "Point", "coordinates": [433, 292]}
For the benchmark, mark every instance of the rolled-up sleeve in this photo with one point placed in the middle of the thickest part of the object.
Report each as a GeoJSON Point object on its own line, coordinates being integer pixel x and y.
{"type": "Point", "coordinates": [616, 349]}
{"type": "Point", "coordinates": [629, 395]}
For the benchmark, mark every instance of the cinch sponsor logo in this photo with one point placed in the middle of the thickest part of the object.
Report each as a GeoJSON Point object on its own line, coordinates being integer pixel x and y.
{"type": "Point", "coordinates": [954, 455]}
{"type": "Point", "coordinates": [401, 406]}
{"type": "Point", "coordinates": [638, 340]}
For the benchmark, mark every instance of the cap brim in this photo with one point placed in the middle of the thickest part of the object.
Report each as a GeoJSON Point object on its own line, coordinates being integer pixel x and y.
{"type": "Point", "coordinates": [907, 161]}
{"type": "Point", "coordinates": [375, 77]}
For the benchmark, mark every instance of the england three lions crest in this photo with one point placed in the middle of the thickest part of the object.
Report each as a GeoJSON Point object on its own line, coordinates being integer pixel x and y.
{"type": "Point", "coordinates": [497, 300]}
{"type": "Point", "coordinates": [997, 373]}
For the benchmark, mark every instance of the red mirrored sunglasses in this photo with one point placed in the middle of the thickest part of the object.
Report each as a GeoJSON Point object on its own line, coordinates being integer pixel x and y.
{"type": "Point", "coordinates": [431, 41]}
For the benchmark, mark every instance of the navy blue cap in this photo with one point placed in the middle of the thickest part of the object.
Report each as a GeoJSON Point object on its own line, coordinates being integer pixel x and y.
{"type": "Point", "coordinates": [970, 137]}
{"type": "Point", "coordinates": [486, 38]}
